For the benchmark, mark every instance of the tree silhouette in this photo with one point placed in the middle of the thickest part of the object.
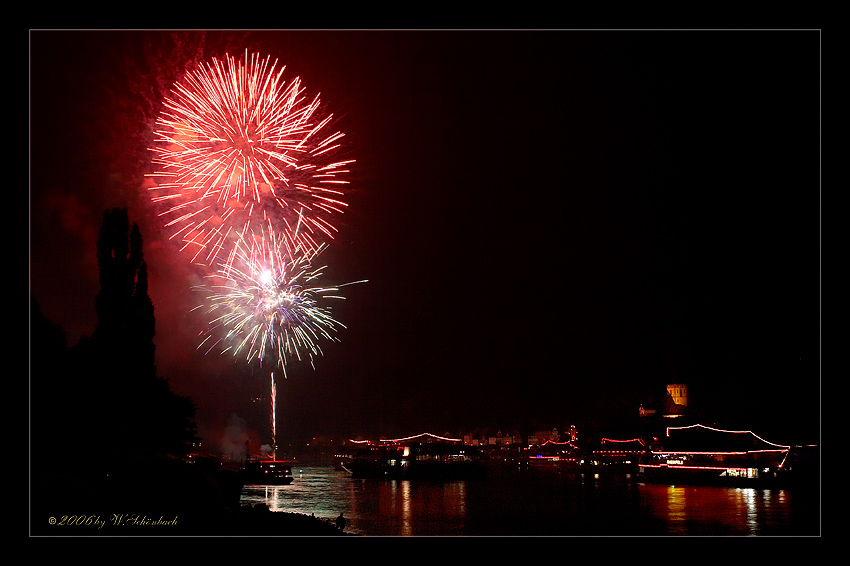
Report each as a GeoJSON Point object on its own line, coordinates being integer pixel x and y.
{"type": "Point", "coordinates": [107, 433]}
{"type": "Point", "coordinates": [101, 404]}
{"type": "Point", "coordinates": [126, 324]}
{"type": "Point", "coordinates": [148, 417]}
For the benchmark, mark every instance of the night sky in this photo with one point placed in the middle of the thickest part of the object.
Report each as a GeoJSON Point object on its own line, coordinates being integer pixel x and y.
{"type": "Point", "coordinates": [554, 224]}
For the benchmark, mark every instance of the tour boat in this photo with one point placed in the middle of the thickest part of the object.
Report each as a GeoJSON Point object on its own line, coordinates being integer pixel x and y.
{"type": "Point", "coordinates": [268, 472]}
{"type": "Point", "coordinates": [703, 454]}
{"type": "Point", "coordinates": [409, 458]}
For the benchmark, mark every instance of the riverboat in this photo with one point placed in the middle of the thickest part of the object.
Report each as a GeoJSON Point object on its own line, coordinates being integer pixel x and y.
{"type": "Point", "coordinates": [343, 457]}
{"type": "Point", "coordinates": [699, 454]}
{"type": "Point", "coordinates": [615, 456]}
{"type": "Point", "coordinates": [553, 455]}
{"type": "Point", "coordinates": [268, 472]}
{"type": "Point", "coordinates": [432, 457]}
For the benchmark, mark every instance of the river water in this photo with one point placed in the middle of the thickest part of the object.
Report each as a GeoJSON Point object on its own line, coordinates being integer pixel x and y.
{"type": "Point", "coordinates": [541, 503]}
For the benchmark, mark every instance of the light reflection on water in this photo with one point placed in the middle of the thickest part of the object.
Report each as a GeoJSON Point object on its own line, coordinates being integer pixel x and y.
{"type": "Point", "coordinates": [322, 492]}
{"type": "Point", "coordinates": [722, 511]}
{"type": "Point", "coordinates": [528, 505]}
{"type": "Point", "coordinates": [676, 515]}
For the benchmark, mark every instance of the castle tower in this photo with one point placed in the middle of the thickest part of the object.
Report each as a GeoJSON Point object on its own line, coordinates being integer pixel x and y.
{"type": "Point", "coordinates": [679, 393]}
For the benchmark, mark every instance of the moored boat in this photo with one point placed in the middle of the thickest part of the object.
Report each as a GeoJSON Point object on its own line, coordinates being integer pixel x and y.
{"type": "Point", "coordinates": [554, 455]}
{"type": "Point", "coordinates": [421, 457]}
{"type": "Point", "coordinates": [615, 456]}
{"type": "Point", "coordinates": [701, 454]}
{"type": "Point", "coordinates": [268, 472]}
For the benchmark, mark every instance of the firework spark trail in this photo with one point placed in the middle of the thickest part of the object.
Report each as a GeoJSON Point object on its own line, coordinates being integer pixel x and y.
{"type": "Point", "coordinates": [269, 303]}
{"type": "Point", "coordinates": [274, 416]}
{"type": "Point", "coordinates": [248, 181]}
{"type": "Point", "coordinates": [239, 148]}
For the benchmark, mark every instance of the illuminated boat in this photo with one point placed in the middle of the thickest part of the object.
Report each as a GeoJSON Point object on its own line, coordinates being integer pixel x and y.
{"type": "Point", "coordinates": [613, 455]}
{"type": "Point", "coordinates": [701, 454]}
{"type": "Point", "coordinates": [344, 455]}
{"type": "Point", "coordinates": [268, 472]}
{"type": "Point", "coordinates": [424, 456]}
{"type": "Point", "coordinates": [555, 455]}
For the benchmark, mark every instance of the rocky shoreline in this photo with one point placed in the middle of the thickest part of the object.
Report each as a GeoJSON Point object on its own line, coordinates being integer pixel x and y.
{"type": "Point", "coordinates": [260, 521]}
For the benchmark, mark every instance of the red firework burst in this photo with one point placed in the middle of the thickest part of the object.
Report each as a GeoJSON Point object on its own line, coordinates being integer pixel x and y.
{"type": "Point", "coordinates": [238, 148]}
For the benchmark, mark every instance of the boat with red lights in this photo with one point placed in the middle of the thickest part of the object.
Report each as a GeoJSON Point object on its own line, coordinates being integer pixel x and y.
{"type": "Point", "coordinates": [424, 456]}
{"type": "Point", "coordinates": [705, 455]}
{"type": "Point", "coordinates": [611, 455]}
{"type": "Point", "coordinates": [268, 472]}
{"type": "Point", "coordinates": [554, 455]}
{"type": "Point", "coordinates": [607, 456]}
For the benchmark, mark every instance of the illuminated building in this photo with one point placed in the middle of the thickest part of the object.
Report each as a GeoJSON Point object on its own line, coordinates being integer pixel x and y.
{"type": "Point", "coordinates": [679, 393]}
{"type": "Point", "coordinates": [674, 404]}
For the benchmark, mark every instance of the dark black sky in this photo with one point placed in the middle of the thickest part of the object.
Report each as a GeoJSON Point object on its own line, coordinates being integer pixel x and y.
{"type": "Point", "coordinates": [554, 224]}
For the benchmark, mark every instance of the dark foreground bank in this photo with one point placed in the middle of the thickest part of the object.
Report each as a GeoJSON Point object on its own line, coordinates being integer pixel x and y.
{"type": "Point", "coordinates": [156, 497]}
{"type": "Point", "coordinates": [260, 521]}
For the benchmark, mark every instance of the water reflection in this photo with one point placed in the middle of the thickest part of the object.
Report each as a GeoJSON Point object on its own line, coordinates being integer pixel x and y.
{"type": "Point", "coordinates": [399, 504]}
{"type": "Point", "coordinates": [534, 504]}
{"type": "Point", "coordinates": [406, 524]}
{"type": "Point", "coordinates": [707, 510]}
{"type": "Point", "coordinates": [676, 509]}
{"type": "Point", "coordinates": [314, 491]}
{"type": "Point", "coordinates": [419, 508]}
{"type": "Point", "coordinates": [749, 499]}
{"type": "Point", "coordinates": [376, 507]}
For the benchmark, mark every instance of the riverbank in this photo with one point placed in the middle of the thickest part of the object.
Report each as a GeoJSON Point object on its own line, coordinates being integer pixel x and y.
{"type": "Point", "coordinates": [159, 497]}
{"type": "Point", "coordinates": [258, 520]}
